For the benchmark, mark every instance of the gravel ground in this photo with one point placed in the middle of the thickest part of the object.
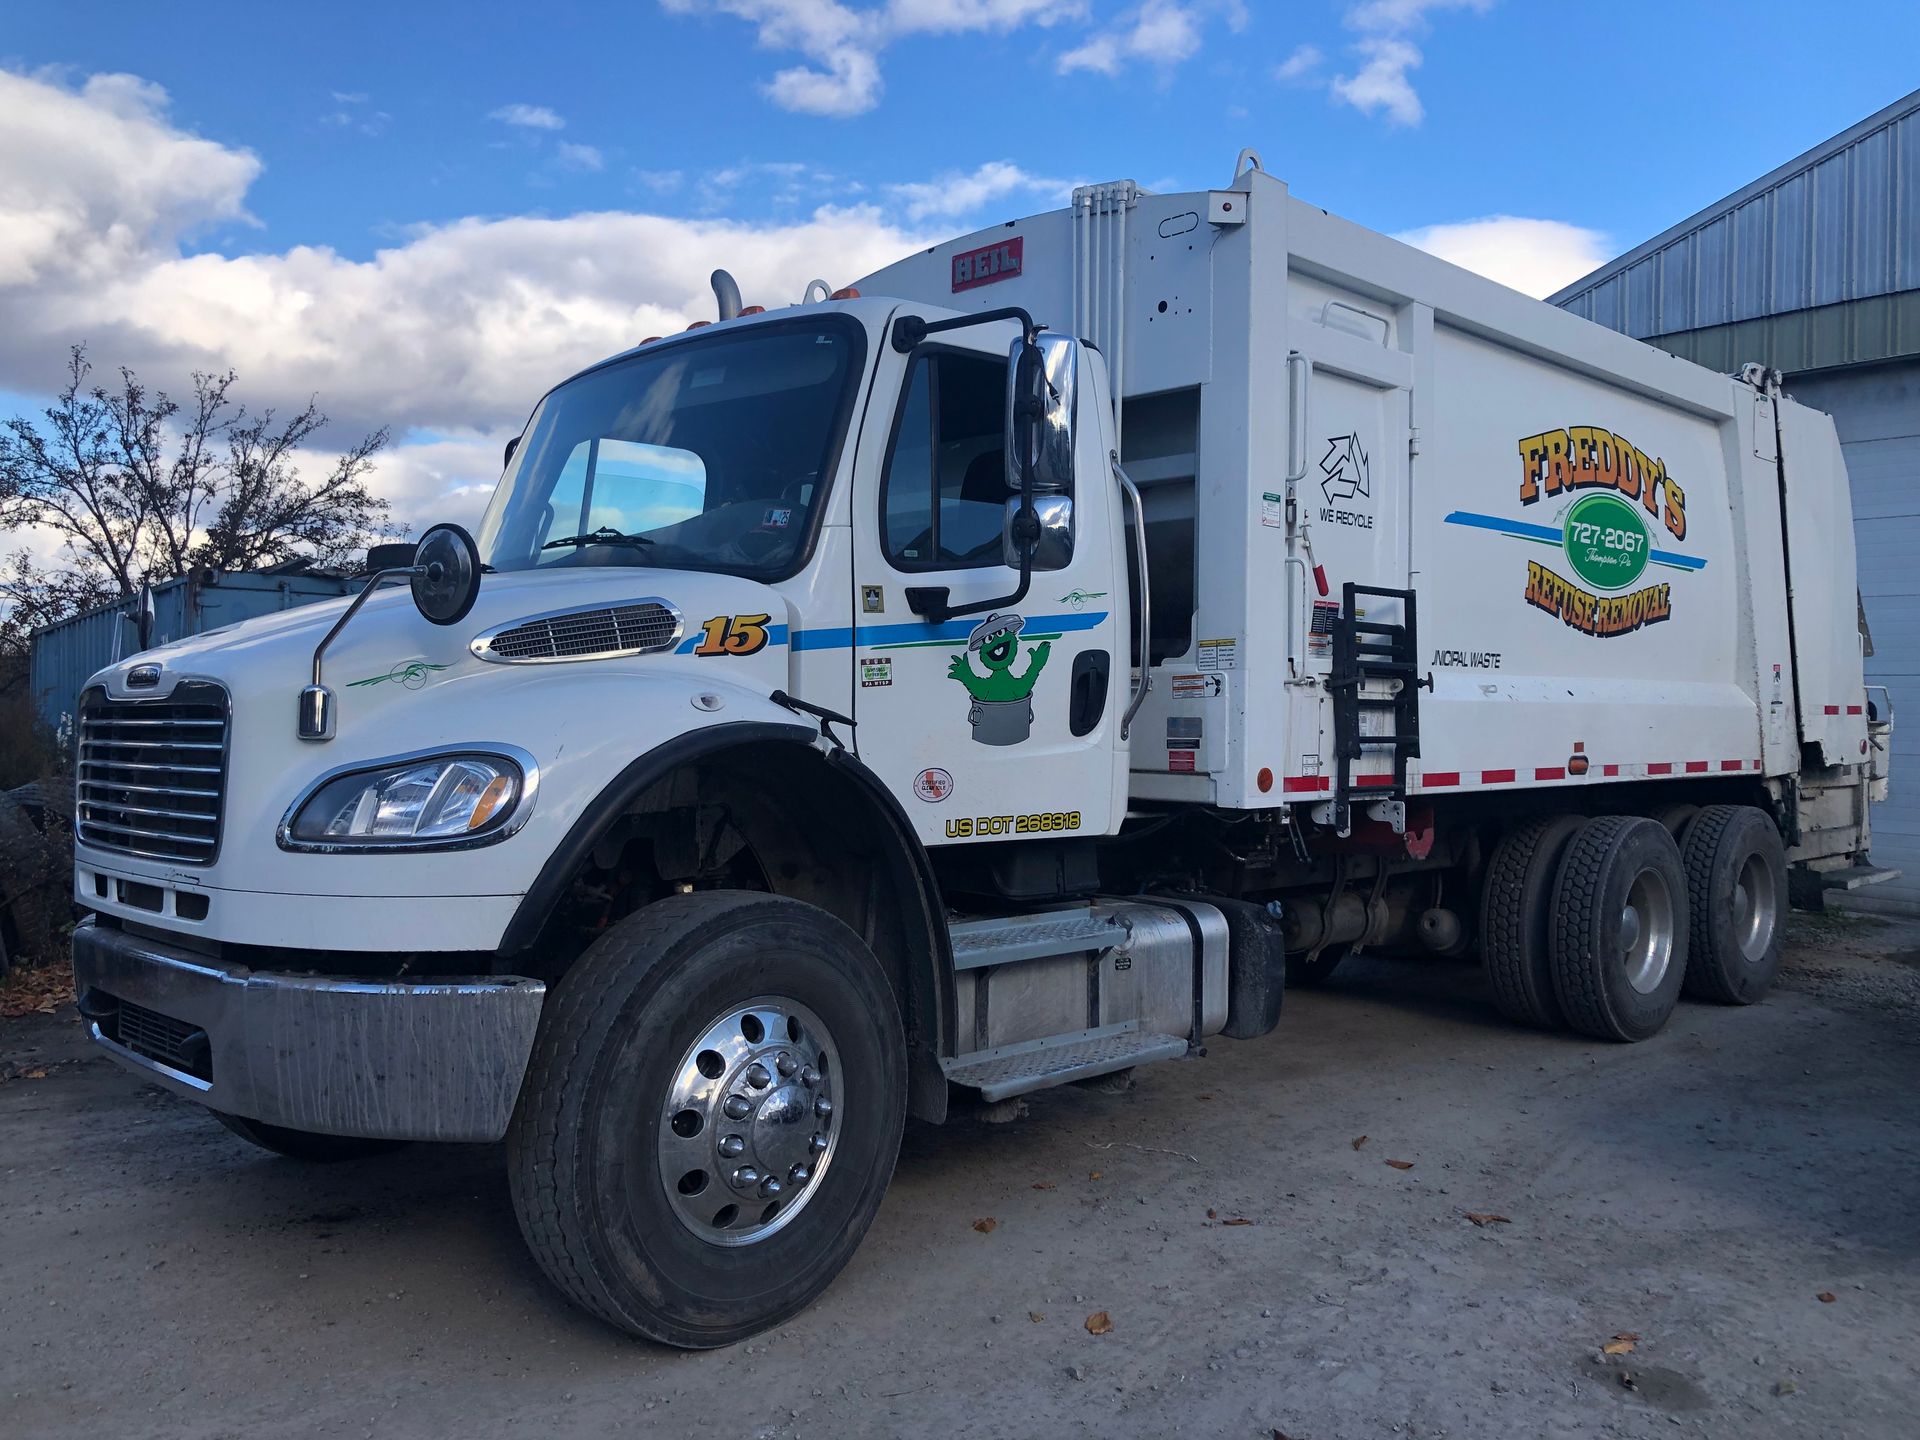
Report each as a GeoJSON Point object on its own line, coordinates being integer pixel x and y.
{"type": "Point", "coordinates": [1738, 1200]}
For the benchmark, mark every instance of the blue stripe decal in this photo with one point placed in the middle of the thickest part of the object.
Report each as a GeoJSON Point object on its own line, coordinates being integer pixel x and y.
{"type": "Point", "coordinates": [1525, 530]}
{"type": "Point", "coordinates": [843, 637]}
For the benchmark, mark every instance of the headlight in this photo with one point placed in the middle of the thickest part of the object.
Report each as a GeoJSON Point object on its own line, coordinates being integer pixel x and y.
{"type": "Point", "coordinates": [419, 801]}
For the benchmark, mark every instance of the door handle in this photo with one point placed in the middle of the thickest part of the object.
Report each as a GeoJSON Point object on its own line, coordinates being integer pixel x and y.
{"type": "Point", "coordinates": [1087, 692]}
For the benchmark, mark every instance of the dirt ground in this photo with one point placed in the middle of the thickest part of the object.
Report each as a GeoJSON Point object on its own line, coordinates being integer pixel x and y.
{"type": "Point", "coordinates": [1739, 1198]}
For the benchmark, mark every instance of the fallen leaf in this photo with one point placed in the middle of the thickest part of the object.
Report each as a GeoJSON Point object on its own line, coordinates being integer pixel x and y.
{"type": "Point", "coordinates": [986, 1226]}
{"type": "Point", "coordinates": [1617, 1346]}
{"type": "Point", "coordinates": [1483, 1218]}
{"type": "Point", "coordinates": [1237, 1220]}
{"type": "Point", "coordinates": [1099, 1323]}
{"type": "Point", "coordinates": [1825, 1297]}
{"type": "Point", "coordinates": [1401, 1164]}
{"type": "Point", "coordinates": [1212, 1214]}
{"type": "Point", "coordinates": [1358, 1141]}
{"type": "Point", "coordinates": [1203, 1097]}
{"type": "Point", "coordinates": [1035, 1316]}
{"type": "Point", "coordinates": [37, 1073]}
{"type": "Point", "coordinates": [1043, 1185]}
{"type": "Point", "coordinates": [1093, 1175]}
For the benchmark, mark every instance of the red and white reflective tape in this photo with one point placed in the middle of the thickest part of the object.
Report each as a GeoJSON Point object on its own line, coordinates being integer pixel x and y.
{"type": "Point", "coordinates": [1456, 779]}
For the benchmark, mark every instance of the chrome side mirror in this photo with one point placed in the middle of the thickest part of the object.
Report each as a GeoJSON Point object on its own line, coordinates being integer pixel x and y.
{"type": "Point", "coordinates": [1048, 538]}
{"type": "Point", "coordinates": [1042, 387]}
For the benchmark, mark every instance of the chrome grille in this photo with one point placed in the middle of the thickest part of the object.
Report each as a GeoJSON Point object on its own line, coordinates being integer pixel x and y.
{"type": "Point", "coordinates": [152, 773]}
{"type": "Point", "coordinates": [598, 632]}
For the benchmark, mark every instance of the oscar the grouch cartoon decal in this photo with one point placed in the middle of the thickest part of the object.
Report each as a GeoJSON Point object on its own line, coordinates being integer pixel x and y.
{"type": "Point", "coordinates": [1002, 710]}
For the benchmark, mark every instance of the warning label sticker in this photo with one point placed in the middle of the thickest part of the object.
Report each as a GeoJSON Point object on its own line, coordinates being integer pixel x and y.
{"type": "Point", "coordinates": [1220, 654]}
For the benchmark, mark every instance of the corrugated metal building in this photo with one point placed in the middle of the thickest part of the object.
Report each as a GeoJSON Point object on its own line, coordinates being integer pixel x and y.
{"type": "Point", "coordinates": [1814, 270]}
{"type": "Point", "coordinates": [66, 653]}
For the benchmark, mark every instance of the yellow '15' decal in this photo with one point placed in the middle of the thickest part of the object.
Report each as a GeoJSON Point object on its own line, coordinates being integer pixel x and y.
{"type": "Point", "coordinates": [733, 635]}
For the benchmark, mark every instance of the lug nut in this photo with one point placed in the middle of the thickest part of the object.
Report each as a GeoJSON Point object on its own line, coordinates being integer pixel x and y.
{"type": "Point", "coordinates": [817, 1144]}
{"type": "Point", "coordinates": [745, 1178]}
{"type": "Point", "coordinates": [823, 1107]}
{"type": "Point", "coordinates": [786, 1063]}
{"type": "Point", "coordinates": [809, 1076]}
{"type": "Point", "coordinates": [758, 1076]}
{"type": "Point", "coordinates": [799, 1175]}
{"type": "Point", "coordinates": [738, 1107]}
{"type": "Point", "coordinates": [732, 1145]}
{"type": "Point", "coordinates": [771, 1187]}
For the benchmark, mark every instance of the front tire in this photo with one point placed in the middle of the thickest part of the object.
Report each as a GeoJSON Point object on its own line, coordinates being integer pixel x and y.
{"type": "Point", "coordinates": [1619, 928]}
{"type": "Point", "coordinates": [711, 1116]}
{"type": "Point", "coordinates": [1737, 888]}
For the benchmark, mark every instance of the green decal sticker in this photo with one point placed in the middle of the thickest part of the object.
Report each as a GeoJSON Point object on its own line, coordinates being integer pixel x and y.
{"type": "Point", "coordinates": [1078, 598]}
{"type": "Point", "coordinates": [1002, 709]}
{"type": "Point", "coordinates": [1606, 542]}
{"type": "Point", "coordinates": [410, 673]}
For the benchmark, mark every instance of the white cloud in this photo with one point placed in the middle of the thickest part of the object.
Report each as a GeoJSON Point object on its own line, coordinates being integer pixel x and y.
{"type": "Point", "coordinates": [1389, 54]}
{"type": "Point", "coordinates": [956, 194]}
{"type": "Point", "coordinates": [1301, 64]}
{"type": "Point", "coordinates": [453, 329]}
{"type": "Point", "coordinates": [1536, 257]}
{"type": "Point", "coordinates": [1161, 33]}
{"type": "Point", "coordinates": [842, 43]}
{"type": "Point", "coordinates": [528, 117]}
{"type": "Point", "coordinates": [578, 157]}
{"type": "Point", "coordinates": [90, 180]}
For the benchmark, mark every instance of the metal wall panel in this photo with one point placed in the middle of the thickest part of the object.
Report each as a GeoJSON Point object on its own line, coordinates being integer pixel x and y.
{"type": "Point", "coordinates": [1877, 412]}
{"type": "Point", "coordinates": [1841, 222]}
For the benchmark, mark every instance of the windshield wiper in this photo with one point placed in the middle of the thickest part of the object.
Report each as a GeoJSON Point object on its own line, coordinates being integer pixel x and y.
{"type": "Point", "coordinates": [602, 536]}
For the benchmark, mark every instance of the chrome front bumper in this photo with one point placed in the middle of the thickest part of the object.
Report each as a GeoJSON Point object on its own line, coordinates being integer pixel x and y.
{"type": "Point", "coordinates": [419, 1060]}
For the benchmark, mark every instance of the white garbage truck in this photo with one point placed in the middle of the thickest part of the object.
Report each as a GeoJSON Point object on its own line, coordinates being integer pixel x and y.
{"type": "Point", "coordinates": [1008, 670]}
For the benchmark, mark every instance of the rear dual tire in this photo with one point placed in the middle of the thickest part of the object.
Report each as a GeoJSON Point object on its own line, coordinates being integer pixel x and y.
{"type": "Point", "coordinates": [1619, 928]}
{"type": "Point", "coordinates": [1736, 869]}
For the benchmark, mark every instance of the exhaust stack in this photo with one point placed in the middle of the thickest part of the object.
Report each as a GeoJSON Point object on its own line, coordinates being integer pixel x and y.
{"type": "Point", "coordinates": [727, 292]}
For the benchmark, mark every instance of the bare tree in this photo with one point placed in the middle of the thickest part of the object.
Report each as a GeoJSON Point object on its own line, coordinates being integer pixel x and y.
{"type": "Point", "coordinates": [139, 486]}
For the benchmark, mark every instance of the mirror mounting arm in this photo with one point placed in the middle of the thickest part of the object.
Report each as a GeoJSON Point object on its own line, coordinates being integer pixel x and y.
{"type": "Point", "coordinates": [910, 330]}
{"type": "Point", "coordinates": [316, 700]}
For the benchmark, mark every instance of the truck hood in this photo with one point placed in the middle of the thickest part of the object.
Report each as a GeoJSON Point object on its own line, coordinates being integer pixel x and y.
{"type": "Point", "coordinates": [389, 648]}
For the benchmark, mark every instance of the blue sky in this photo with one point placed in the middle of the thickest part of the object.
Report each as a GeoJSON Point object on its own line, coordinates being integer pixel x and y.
{"type": "Point", "coordinates": [390, 204]}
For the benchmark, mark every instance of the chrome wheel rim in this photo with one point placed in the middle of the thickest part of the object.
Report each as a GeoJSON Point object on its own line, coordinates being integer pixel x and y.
{"type": "Point", "coordinates": [751, 1122]}
{"type": "Point", "coordinates": [1755, 908]}
{"type": "Point", "coordinates": [1646, 931]}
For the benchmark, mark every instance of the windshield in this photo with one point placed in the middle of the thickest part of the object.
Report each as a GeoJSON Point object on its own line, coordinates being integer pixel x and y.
{"type": "Point", "coordinates": [705, 455]}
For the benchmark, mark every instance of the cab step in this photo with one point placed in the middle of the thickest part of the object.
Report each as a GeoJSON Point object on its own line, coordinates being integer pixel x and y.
{"type": "Point", "coordinates": [1003, 940]}
{"type": "Point", "coordinates": [1011, 1070]}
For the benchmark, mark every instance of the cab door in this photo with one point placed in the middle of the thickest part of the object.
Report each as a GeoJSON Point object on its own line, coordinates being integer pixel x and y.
{"type": "Point", "coordinates": [1001, 723]}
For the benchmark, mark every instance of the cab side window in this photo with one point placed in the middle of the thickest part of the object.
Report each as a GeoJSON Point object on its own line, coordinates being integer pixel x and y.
{"type": "Point", "coordinates": [945, 491]}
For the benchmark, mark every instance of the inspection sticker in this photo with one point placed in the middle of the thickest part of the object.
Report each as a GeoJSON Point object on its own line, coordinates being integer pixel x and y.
{"type": "Point", "coordinates": [1270, 510]}
{"type": "Point", "coordinates": [876, 672]}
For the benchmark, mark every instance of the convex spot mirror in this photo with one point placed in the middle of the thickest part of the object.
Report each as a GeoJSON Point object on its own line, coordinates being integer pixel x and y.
{"type": "Point", "coordinates": [446, 574]}
{"type": "Point", "coordinates": [1042, 391]}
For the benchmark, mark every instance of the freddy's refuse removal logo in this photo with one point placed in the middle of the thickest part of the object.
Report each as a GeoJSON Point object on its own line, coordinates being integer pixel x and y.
{"type": "Point", "coordinates": [1611, 496]}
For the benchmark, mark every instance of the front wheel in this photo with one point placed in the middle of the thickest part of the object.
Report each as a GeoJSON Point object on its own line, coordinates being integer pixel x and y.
{"type": "Point", "coordinates": [711, 1115]}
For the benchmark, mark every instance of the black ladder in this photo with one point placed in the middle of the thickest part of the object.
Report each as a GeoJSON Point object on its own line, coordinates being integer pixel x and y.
{"type": "Point", "coordinates": [1366, 650]}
